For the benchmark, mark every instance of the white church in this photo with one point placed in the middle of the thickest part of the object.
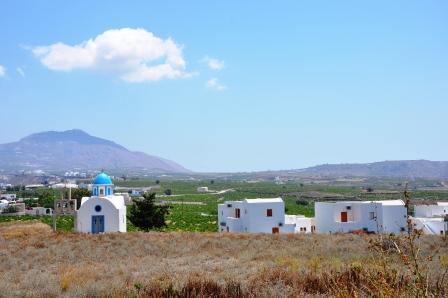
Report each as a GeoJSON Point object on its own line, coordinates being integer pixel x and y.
{"type": "Point", "coordinates": [103, 211]}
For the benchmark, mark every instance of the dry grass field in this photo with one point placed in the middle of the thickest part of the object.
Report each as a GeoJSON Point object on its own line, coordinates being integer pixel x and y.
{"type": "Point", "coordinates": [35, 262]}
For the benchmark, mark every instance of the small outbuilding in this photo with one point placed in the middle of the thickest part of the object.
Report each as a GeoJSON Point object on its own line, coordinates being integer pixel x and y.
{"type": "Point", "coordinates": [202, 189]}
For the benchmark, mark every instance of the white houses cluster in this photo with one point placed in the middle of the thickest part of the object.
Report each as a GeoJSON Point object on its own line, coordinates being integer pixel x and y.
{"type": "Point", "coordinates": [260, 216]}
{"type": "Point", "coordinates": [388, 216]}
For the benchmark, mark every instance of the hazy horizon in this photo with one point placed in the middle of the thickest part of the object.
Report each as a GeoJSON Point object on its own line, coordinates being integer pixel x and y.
{"type": "Point", "coordinates": [232, 87]}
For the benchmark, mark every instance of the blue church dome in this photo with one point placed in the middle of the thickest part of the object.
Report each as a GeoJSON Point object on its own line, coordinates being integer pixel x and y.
{"type": "Point", "coordinates": [103, 179]}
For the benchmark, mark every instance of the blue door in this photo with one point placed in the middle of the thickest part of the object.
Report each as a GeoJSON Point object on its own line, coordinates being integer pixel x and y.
{"type": "Point", "coordinates": [97, 224]}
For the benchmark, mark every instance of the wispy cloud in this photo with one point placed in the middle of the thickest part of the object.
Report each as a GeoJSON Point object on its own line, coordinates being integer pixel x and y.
{"type": "Point", "coordinates": [2, 71]}
{"type": "Point", "coordinates": [21, 71]}
{"type": "Point", "coordinates": [213, 63]}
{"type": "Point", "coordinates": [135, 55]}
{"type": "Point", "coordinates": [214, 84]}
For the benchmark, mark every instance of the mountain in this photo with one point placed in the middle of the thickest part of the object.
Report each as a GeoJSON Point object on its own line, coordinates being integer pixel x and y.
{"type": "Point", "coordinates": [400, 168]}
{"type": "Point", "coordinates": [72, 149]}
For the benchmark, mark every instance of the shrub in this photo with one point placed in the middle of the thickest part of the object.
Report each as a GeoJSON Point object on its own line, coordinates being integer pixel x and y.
{"type": "Point", "coordinates": [10, 209]}
{"type": "Point", "coordinates": [302, 202]}
{"type": "Point", "coordinates": [146, 215]}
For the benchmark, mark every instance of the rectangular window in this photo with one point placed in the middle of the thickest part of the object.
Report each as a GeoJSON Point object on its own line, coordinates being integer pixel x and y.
{"type": "Point", "coordinates": [269, 213]}
{"type": "Point", "coordinates": [372, 215]}
{"type": "Point", "coordinates": [237, 213]}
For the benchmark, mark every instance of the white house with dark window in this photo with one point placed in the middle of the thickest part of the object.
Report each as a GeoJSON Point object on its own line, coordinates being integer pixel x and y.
{"type": "Point", "coordinates": [254, 216]}
{"type": "Point", "coordinates": [8, 197]}
{"type": "Point", "coordinates": [368, 216]}
{"type": "Point", "coordinates": [431, 219]}
{"type": "Point", "coordinates": [103, 211]}
{"type": "Point", "coordinates": [302, 224]}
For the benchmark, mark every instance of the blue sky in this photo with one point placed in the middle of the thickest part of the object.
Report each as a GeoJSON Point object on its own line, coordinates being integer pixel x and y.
{"type": "Point", "coordinates": [232, 86]}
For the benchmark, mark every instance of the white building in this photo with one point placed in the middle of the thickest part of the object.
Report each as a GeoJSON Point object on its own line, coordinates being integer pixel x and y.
{"type": "Point", "coordinates": [254, 216]}
{"type": "Point", "coordinates": [367, 216]}
{"type": "Point", "coordinates": [431, 219]}
{"type": "Point", "coordinates": [302, 224]}
{"type": "Point", "coordinates": [202, 189]}
{"type": "Point", "coordinates": [39, 211]}
{"type": "Point", "coordinates": [8, 196]}
{"type": "Point", "coordinates": [3, 204]}
{"type": "Point", "coordinates": [64, 185]}
{"type": "Point", "coordinates": [103, 211]}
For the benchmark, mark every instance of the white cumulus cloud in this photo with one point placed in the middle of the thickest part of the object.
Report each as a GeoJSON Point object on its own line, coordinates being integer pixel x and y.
{"type": "Point", "coordinates": [135, 55]}
{"type": "Point", "coordinates": [213, 63]}
{"type": "Point", "coordinates": [215, 85]}
{"type": "Point", "coordinates": [2, 71]}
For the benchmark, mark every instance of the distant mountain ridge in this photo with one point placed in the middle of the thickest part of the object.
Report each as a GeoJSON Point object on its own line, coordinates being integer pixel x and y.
{"type": "Point", "coordinates": [399, 168]}
{"type": "Point", "coordinates": [53, 150]}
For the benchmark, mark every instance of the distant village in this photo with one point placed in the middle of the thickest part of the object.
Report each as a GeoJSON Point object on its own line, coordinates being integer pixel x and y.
{"type": "Point", "coordinates": [105, 211]}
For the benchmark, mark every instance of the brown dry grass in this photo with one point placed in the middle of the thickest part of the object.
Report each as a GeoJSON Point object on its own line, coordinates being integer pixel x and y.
{"type": "Point", "coordinates": [35, 262]}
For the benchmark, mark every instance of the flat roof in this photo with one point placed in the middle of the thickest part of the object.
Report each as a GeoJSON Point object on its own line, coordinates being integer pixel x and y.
{"type": "Point", "coordinates": [436, 219]}
{"type": "Point", "coordinates": [266, 200]}
{"type": "Point", "coordinates": [383, 202]}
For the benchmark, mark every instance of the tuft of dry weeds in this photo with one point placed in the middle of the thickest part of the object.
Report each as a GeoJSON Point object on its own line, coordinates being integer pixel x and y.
{"type": "Point", "coordinates": [35, 262]}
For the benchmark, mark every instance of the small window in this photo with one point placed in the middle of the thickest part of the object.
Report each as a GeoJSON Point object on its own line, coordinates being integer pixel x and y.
{"type": "Point", "coordinates": [101, 192]}
{"type": "Point", "coordinates": [237, 213]}
{"type": "Point", "coordinates": [349, 207]}
{"type": "Point", "coordinates": [371, 215]}
{"type": "Point", "coordinates": [402, 229]}
{"type": "Point", "coordinates": [304, 229]}
{"type": "Point", "coordinates": [98, 208]}
{"type": "Point", "coordinates": [269, 213]}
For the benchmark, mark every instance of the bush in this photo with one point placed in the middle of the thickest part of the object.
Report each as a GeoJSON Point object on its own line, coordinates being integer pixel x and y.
{"type": "Point", "coordinates": [10, 209]}
{"type": "Point", "coordinates": [146, 215]}
{"type": "Point", "coordinates": [302, 202]}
